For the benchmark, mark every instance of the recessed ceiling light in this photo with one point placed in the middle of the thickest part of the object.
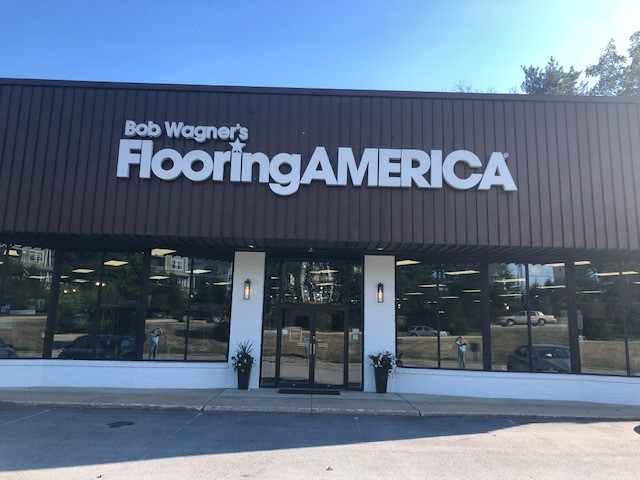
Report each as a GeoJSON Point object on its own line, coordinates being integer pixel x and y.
{"type": "Point", "coordinates": [552, 286]}
{"type": "Point", "coordinates": [462, 272]}
{"type": "Point", "coordinates": [159, 277]}
{"type": "Point", "coordinates": [160, 252]}
{"type": "Point", "coordinates": [115, 263]}
{"type": "Point", "coordinates": [415, 293]}
{"type": "Point", "coordinates": [13, 253]}
{"type": "Point", "coordinates": [616, 274]}
{"type": "Point", "coordinates": [471, 291]}
{"type": "Point", "coordinates": [510, 280]}
{"type": "Point", "coordinates": [199, 271]}
{"type": "Point", "coordinates": [561, 264]}
{"type": "Point", "coordinates": [221, 283]}
{"type": "Point", "coordinates": [82, 270]}
{"type": "Point", "coordinates": [429, 285]}
{"type": "Point", "coordinates": [402, 263]}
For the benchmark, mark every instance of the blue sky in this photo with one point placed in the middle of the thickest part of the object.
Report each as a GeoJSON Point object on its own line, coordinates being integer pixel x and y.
{"type": "Point", "coordinates": [387, 45]}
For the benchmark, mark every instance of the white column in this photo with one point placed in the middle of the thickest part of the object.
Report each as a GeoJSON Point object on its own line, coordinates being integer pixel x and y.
{"type": "Point", "coordinates": [379, 318]}
{"type": "Point", "coordinates": [246, 315]}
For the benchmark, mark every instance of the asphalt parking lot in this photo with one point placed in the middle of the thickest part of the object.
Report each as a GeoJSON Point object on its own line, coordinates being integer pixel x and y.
{"type": "Point", "coordinates": [78, 443]}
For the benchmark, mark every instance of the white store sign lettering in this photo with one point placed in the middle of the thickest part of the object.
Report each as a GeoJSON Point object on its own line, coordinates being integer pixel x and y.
{"type": "Point", "coordinates": [383, 167]}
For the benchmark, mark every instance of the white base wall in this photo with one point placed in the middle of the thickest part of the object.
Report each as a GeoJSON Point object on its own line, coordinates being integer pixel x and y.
{"type": "Point", "coordinates": [109, 374]}
{"type": "Point", "coordinates": [524, 386]}
{"type": "Point", "coordinates": [176, 375]}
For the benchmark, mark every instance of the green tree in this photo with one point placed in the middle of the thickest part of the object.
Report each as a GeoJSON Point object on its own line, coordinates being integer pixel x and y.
{"type": "Point", "coordinates": [617, 74]}
{"type": "Point", "coordinates": [613, 75]}
{"type": "Point", "coordinates": [552, 80]}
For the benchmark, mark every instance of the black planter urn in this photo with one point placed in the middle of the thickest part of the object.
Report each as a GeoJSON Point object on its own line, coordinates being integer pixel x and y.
{"type": "Point", "coordinates": [381, 375]}
{"type": "Point", "coordinates": [243, 378]}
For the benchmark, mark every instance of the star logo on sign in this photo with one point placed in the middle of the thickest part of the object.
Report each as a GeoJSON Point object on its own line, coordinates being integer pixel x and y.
{"type": "Point", "coordinates": [237, 146]}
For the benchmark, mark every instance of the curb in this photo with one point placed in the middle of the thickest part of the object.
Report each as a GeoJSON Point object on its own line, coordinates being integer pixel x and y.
{"type": "Point", "coordinates": [320, 410]}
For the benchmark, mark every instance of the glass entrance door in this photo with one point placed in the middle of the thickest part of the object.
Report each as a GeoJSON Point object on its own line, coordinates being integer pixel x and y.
{"type": "Point", "coordinates": [311, 350]}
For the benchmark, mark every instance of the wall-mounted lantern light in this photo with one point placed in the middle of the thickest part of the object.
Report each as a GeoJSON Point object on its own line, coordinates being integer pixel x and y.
{"type": "Point", "coordinates": [380, 294]}
{"type": "Point", "coordinates": [247, 289]}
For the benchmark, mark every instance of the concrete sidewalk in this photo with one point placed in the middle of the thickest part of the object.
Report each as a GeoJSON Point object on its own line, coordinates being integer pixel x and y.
{"type": "Point", "coordinates": [348, 402]}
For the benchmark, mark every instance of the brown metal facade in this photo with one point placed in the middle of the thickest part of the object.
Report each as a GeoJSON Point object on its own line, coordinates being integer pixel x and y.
{"type": "Point", "coordinates": [573, 160]}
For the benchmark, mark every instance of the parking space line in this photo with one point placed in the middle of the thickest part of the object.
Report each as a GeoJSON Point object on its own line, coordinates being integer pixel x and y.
{"type": "Point", "coordinates": [24, 418]}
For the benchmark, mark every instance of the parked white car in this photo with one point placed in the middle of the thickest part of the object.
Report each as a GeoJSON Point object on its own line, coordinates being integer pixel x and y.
{"type": "Point", "coordinates": [520, 318]}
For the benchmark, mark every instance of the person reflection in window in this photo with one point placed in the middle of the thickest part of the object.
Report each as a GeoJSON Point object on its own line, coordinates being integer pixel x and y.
{"type": "Point", "coordinates": [462, 352]}
{"type": "Point", "coordinates": [154, 341]}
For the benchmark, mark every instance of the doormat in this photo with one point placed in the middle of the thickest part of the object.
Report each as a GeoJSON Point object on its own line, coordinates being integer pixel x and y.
{"type": "Point", "coordinates": [299, 391]}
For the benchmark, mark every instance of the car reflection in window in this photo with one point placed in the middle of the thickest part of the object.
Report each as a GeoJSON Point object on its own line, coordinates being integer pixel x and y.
{"type": "Point", "coordinates": [546, 358]}
{"type": "Point", "coordinates": [7, 350]}
{"type": "Point", "coordinates": [100, 347]}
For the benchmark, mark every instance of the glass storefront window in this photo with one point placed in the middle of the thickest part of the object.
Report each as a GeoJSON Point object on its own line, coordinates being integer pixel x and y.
{"type": "Point", "coordinates": [316, 282]}
{"type": "Point", "coordinates": [631, 291]}
{"type": "Point", "coordinates": [166, 306]}
{"type": "Point", "coordinates": [461, 326]}
{"type": "Point", "coordinates": [272, 283]}
{"type": "Point", "coordinates": [600, 316]}
{"type": "Point", "coordinates": [356, 280]}
{"type": "Point", "coordinates": [189, 307]}
{"type": "Point", "coordinates": [25, 282]}
{"type": "Point", "coordinates": [269, 346]}
{"type": "Point", "coordinates": [508, 315]}
{"type": "Point", "coordinates": [550, 326]}
{"type": "Point", "coordinates": [209, 310]}
{"type": "Point", "coordinates": [77, 315]}
{"type": "Point", "coordinates": [437, 315]}
{"type": "Point", "coordinates": [98, 306]}
{"type": "Point", "coordinates": [417, 313]}
{"type": "Point", "coordinates": [120, 296]}
{"type": "Point", "coordinates": [355, 341]}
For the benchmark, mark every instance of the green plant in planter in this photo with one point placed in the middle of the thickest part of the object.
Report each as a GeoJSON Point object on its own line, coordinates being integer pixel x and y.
{"type": "Point", "coordinates": [384, 360]}
{"type": "Point", "coordinates": [383, 365]}
{"type": "Point", "coordinates": [242, 361]}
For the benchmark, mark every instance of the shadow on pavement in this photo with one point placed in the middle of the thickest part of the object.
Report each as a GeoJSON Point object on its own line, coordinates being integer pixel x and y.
{"type": "Point", "coordinates": [36, 438]}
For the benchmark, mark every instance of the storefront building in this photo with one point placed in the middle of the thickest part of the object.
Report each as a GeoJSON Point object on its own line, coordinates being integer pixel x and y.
{"type": "Point", "coordinates": [148, 230]}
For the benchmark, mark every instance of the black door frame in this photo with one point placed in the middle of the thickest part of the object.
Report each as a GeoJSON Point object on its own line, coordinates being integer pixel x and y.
{"type": "Point", "coordinates": [313, 309]}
